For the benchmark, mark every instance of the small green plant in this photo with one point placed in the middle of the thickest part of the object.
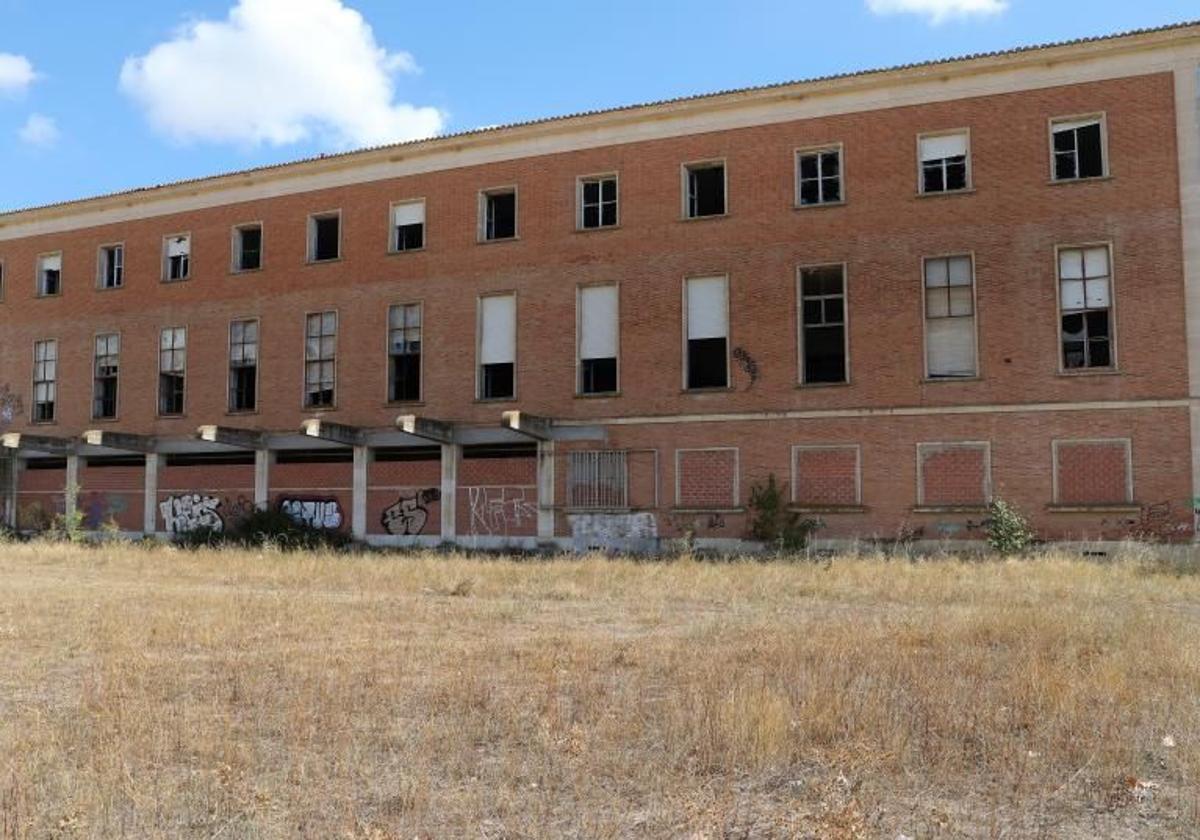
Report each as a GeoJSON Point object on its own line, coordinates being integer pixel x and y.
{"type": "Point", "coordinates": [1008, 531]}
{"type": "Point", "coordinates": [773, 524]}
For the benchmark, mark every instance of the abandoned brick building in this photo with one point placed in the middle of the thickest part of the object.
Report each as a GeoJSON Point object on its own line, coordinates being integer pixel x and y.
{"type": "Point", "coordinates": [903, 293]}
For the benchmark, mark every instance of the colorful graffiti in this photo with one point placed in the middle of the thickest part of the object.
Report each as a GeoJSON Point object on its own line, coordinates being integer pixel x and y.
{"type": "Point", "coordinates": [191, 512]}
{"type": "Point", "coordinates": [498, 510]}
{"type": "Point", "coordinates": [103, 509]}
{"type": "Point", "coordinates": [323, 514]}
{"type": "Point", "coordinates": [410, 514]}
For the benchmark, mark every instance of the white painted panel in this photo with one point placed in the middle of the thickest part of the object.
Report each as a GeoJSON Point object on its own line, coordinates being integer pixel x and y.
{"type": "Point", "coordinates": [52, 263]}
{"type": "Point", "coordinates": [1072, 295]}
{"type": "Point", "coordinates": [598, 322]}
{"type": "Point", "coordinates": [1069, 125]}
{"type": "Point", "coordinates": [498, 330]}
{"type": "Point", "coordinates": [946, 146]}
{"type": "Point", "coordinates": [1098, 294]}
{"type": "Point", "coordinates": [1095, 262]}
{"type": "Point", "coordinates": [707, 299]}
{"type": "Point", "coordinates": [1070, 264]}
{"type": "Point", "coordinates": [951, 346]}
{"type": "Point", "coordinates": [411, 213]}
{"type": "Point", "coordinates": [179, 246]}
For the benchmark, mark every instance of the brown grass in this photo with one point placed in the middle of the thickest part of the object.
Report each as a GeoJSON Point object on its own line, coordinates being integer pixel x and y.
{"type": "Point", "coordinates": [157, 693]}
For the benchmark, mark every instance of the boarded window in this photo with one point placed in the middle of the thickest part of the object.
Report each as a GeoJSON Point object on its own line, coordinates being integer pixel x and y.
{"type": "Point", "coordinates": [106, 372]}
{"type": "Point", "coordinates": [598, 336]}
{"type": "Point", "coordinates": [598, 480]}
{"type": "Point", "coordinates": [950, 317]}
{"type": "Point", "coordinates": [497, 347]}
{"type": "Point", "coordinates": [823, 324]}
{"type": "Point", "coordinates": [1092, 472]}
{"type": "Point", "coordinates": [825, 476]}
{"type": "Point", "coordinates": [320, 360]}
{"type": "Point", "coordinates": [1085, 299]}
{"type": "Point", "coordinates": [953, 474]}
{"type": "Point", "coordinates": [1078, 149]}
{"type": "Point", "coordinates": [944, 163]}
{"type": "Point", "coordinates": [708, 332]}
{"type": "Point", "coordinates": [408, 226]}
{"type": "Point", "coordinates": [706, 479]}
{"type": "Point", "coordinates": [705, 190]}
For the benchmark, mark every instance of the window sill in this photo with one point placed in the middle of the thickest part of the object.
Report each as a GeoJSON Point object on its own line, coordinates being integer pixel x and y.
{"type": "Point", "coordinates": [950, 509]}
{"type": "Point", "coordinates": [100, 288]}
{"type": "Point", "coordinates": [827, 509]}
{"type": "Point", "coordinates": [604, 395]}
{"type": "Point", "coordinates": [938, 380]}
{"type": "Point", "coordinates": [698, 392]}
{"type": "Point", "coordinates": [1071, 374]}
{"type": "Point", "coordinates": [695, 511]}
{"type": "Point", "coordinates": [171, 416]}
{"type": "Point", "coordinates": [494, 400]}
{"type": "Point", "coordinates": [241, 412]}
{"type": "Point", "coordinates": [233, 272]}
{"type": "Point", "coordinates": [106, 419]}
{"type": "Point", "coordinates": [48, 297]}
{"type": "Point", "coordinates": [817, 386]}
{"type": "Point", "coordinates": [404, 404]}
{"type": "Point", "coordinates": [821, 205]}
{"type": "Point", "coordinates": [947, 193]}
{"type": "Point", "coordinates": [41, 424]}
{"type": "Point", "coordinates": [392, 252]}
{"type": "Point", "coordinates": [497, 241]}
{"type": "Point", "coordinates": [1058, 182]}
{"type": "Point", "coordinates": [709, 218]}
{"type": "Point", "coordinates": [599, 229]}
{"type": "Point", "coordinates": [319, 409]}
{"type": "Point", "coordinates": [1100, 507]}
{"type": "Point", "coordinates": [323, 262]}
{"type": "Point", "coordinates": [177, 281]}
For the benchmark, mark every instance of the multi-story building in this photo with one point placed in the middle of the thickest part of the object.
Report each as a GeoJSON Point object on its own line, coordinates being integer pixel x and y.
{"type": "Point", "coordinates": [901, 293]}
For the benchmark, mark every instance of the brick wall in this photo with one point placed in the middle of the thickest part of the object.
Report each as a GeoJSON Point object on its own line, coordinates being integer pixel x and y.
{"type": "Point", "coordinates": [826, 476]}
{"type": "Point", "coordinates": [953, 474]}
{"type": "Point", "coordinates": [1092, 472]}
{"type": "Point", "coordinates": [707, 479]}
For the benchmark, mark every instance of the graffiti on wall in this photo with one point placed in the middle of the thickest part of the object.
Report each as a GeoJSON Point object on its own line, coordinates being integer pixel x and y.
{"type": "Point", "coordinates": [322, 514]}
{"type": "Point", "coordinates": [191, 512]}
{"type": "Point", "coordinates": [409, 515]}
{"type": "Point", "coordinates": [101, 509]}
{"type": "Point", "coordinates": [11, 405]}
{"type": "Point", "coordinates": [612, 530]}
{"type": "Point", "coordinates": [747, 363]}
{"type": "Point", "coordinates": [498, 510]}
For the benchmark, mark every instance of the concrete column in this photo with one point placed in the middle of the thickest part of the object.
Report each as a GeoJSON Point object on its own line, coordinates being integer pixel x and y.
{"type": "Point", "coordinates": [262, 477]}
{"type": "Point", "coordinates": [14, 479]}
{"type": "Point", "coordinates": [545, 489]}
{"type": "Point", "coordinates": [150, 495]}
{"type": "Point", "coordinates": [358, 503]}
{"type": "Point", "coordinates": [71, 495]}
{"type": "Point", "coordinates": [451, 455]}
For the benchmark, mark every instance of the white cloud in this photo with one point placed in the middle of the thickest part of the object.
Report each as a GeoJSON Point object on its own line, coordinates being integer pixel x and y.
{"type": "Point", "coordinates": [277, 72]}
{"type": "Point", "coordinates": [39, 130]}
{"type": "Point", "coordinates": [16, 73]}
{"type": "Point", "coordinates": [939, 11]}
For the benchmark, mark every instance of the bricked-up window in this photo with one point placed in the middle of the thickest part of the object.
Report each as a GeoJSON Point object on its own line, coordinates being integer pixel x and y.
{"type": "Point", "coordinates": [172, 370]}
{"type": "Point", "coordinates": [497, 347]}
{"type": "Point", "coordinates": [247, 247]}
{"type": "Point", "coordinates": [498, 214]}
{"type": "Point", "coordinates": [1085, 300]}
{"type": "Point", "coordinates": [826, 476]}
{"type": "Point", "coordinates": [49, 274]}
{"type": "Point", "coordinates": [598, 480]}
{"type": "Point", "coordinates": [823, 324]}
{"type": "Point", "coordinates": [945, 163]}
{"type": "Point", "coordinates": [408, 226]}
{"type": "Point", "coordinates": [320, 359]}
{"type": "Point", "coordinates": [324, 236]}
{"type": "Point", "coordinates": [106, 372]}
{"type": "Point", "coordinates": [45, 380]}
{"type": "Point", "coordinates": [953, 475]}
{"type": "Point", "coordinates": [112, 267]}
{"type": "Point", "coordinates": [1078, 148]}
{"type": "Point", "coordinates": [707, 332]}
{"type": "Point", "coordinates": [177, 257]}
{"type": "Point", "coordinates": [706, 479]}
{"type": "Point", "coordinates": [819, 176]}
{"type": "Point", "coordinates": [1093, 472]}
{"type": "Point", "coordinates": [704, 189]}
{"type": "Point", "coordinates": [404, 352]}
{"type": "Point", "coordinates": [599, 326]}
{"type": "Point", "coordinates": [243, 365]}
{"type": "Point", "coordinates": [950, 317]}
{"type": "Point", "coordinates": [598, 202]}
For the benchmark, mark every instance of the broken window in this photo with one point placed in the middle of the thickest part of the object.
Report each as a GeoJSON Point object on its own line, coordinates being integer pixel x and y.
{"type": "Point", "coordinates": [499, 214]}
{"type": "Point", "coordinates": [49, 279]}
{"type": "Point", "coordinates": [178, 257]}
{"type": "Point", "coordinates": [404, 353]}
{"type": "Point", "coordinates": [823, 324]}
{"type": "Point", "coordinates": [598, 480]}
{"type": "Point", "coordinates": [944, 166]}
{"type": "Point", "coordinates": [1078, 149]}
{"type": "Point", "coordinates": [497, 347]}
{"type": "Point", "coordinates": [172, 370]}
{"type": "Point", "coordinates": [1085, 288]}
{"type": "Point", "coordinates": [949, 317]}
{"type": "Point", "coordinates": [598, 202]}
{"type": "Point", "coordinates": [704, 185]}
{"type": "Point", "coordinates": [247, 248]}
{"type": "Point", "coordinates": [598, 338]}
{"type": "Point", "coordinates": [708, 332]}
{"type": "Point", "coordinates": [112, 266]}
{"type": "Point", "coordinates": [106, 368]}
{"type": "Point", "coordinates": [408, 226]}
{"type": "Point", "coordinates": [324, 237]}
{"type": "Point", "coordinates": [243, 365]}
{"type": "Point", "coordinates": [45, 380]}
{"type": "Point", "coordinates": [819, 177]}
{"type": "Point", "coordinates": [320, 360]}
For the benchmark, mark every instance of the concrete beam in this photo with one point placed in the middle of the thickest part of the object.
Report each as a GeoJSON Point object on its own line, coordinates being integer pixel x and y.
{"type": "Point", "coordinates": [438, 431]}
{"type": "Point", "coordinates": [239, 438]}
{"type": "Point", "coordinates": [334, 432]}
{"type": "Point", "coordinates": [120, 440]}
{"type": "Point", "coordinates": [38, 443]}
{"type": "Point", "coordinates": [530, 425]}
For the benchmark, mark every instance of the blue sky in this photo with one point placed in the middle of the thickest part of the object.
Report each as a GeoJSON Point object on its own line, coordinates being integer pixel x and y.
{"type": "Point", "coordinates": [96, 97]}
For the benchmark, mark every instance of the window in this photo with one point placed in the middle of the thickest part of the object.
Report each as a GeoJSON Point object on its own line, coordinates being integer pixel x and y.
{"type": "Point", "coordinates": [823, 324]}
{"type": "Point", "coordinates": [1078, 146]}
{"type": "Point", "coordinates": [320, 360]}
{"type": "Point", "coordinates": [408, 226]}
{"type": "Point", "coordinates": [49, 275]}
{"type": "Point", "coordinates": [827, 476]}
{"type": "Point", "coordinates": [106, 368]}
{"type": "Point", "coordinates": [247, 247]}
{"type": "Point", "coordinates": [819, 177]}
{"type": "Point", "coordinates": [949, 318]}
{"type": "Point", "coordinates": [952, 475]}
{"type": "Point", "coordinates": [597, 202]}
{"type": "Point", "coordinates": [707, 479]}
{"type": "Point", "coordinates": [1085, 299]}
{"type": "Point", "coordinates": [112, 267]}
{"type": "Point", "coordinates": [598, 339]}
{"type": "Point", "coordinates": [707, 332]}
{"type": "Point", "coordinates": [945, 163]}
{"type": "Point", "coordinates": [324, 236]}
{"type": "Point", "coordinates": [1093, 472]}
{"type": "Point", "coordinates": [178, 256]}
{"type": "Point", "coordinates": [498, 214]}
{"type": "Point", "coordinates": [45, 380]}
{"type": "Point", "coordinates": [404, 353]}
{"type": "Point", "coordinates": [704, 190]}
{"type": "Point", "coordinates": [172, 370]}
{"type": "Point", "coordinates": [243, 365]}
{"type": "Point", "coordinates": [497, 347]}
{"type": "Point", "coordinates": [598, 480]}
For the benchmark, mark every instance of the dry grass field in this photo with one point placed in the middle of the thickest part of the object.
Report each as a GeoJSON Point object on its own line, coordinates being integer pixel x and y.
{"type": "Point", "coordinates": [162, 693]}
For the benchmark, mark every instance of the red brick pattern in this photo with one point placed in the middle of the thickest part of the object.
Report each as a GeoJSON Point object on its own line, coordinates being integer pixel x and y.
{"type": "Point", "coordinates": [953, 474]}
{"type": "Point", "coordinates": [1092, 472]}
{"type": "Point", "coordinates": [707, 479]}
{"type": "Point", "coordinates": [826, 476]}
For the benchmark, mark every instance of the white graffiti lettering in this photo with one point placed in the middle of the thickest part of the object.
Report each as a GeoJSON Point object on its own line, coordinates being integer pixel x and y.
{"type": "Point", "coordinates": [496, 510]}
{"type": "Point", "coordinates": [182, 514]}
{"type": "Point", "coordinates": [324, 514]}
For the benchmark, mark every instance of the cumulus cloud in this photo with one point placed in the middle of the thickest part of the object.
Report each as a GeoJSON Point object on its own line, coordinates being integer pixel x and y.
{"type": "Point", "coordinates": [16, 73]}
{"type": "Point", "coordinates": [278, 72]}
{"type": "Point", "coordinates": [939, 11]}
{"type": "Point", "coordinates": [39, 130]}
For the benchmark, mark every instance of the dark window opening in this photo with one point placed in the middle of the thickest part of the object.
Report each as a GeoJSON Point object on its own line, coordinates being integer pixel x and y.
{"type": "Point", "coordinates": [500, 216]}
{"type": "Point", "coordinates": [1078, 152]}
{"type": "Point", "coordinates": [46, 464]}
{"type": "Point", "coordinates": [823, 318]}
{"type": "Point", "coordinates": [326, 233]}
{"type": "Point", "coordinates": [404, 352]}
{"type": "Point", "coordinates": [406, 377]}
{"type": "Point", "coordinates": [706, 191]}
{"type": "Point", "coordinates": [179, 252]}
{"type": "Point", "coordinates": [708, 365]}
{"type": "Point", "coordinates": [339, 455]}
{"type": "Point", "coordinates": [211, 459]}
{"type": "Point", "coordinates": [43, 411]}
{"type": "Point", "coordinates": [499, 451]}
{"type": "Point", "coordinates": [407, 454]}
{"type": "Point", "coordinates": [599, 376]}
{"type": "Point", "coordinates": [249, 249]}
{"type": "Point", "coordinates": [170, 393]}
{"type": "Point", "coordinates": [51, 281]}
{"type": "Point", "coordinates": [497, 381]}
{"type": "Point", "coordinates": [410, 237]}
{"type": "Point", "coordinates": [599, 203]}
{"type": "Point", "coordinates": [105, 405]}
{"type": "Point", "coordinates": [945, 175]}
{"type": "Point", "coordinates": [103, 461]}
{"type": "Point", "coordinates": [1087, 340]}
{"type": "Point", "coordinates": [112, 266]}
{"type": "Point", "coordinates": [243, 387]}
{"type": "Point", "coordinates": [820, 178]}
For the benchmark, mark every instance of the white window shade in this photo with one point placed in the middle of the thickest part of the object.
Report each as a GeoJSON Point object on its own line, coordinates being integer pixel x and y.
{"type": "Point", "coordinates": [707, 307]}
{"type": "Point", "coordinates": [945, 146]}
{"type": "Point", "coordinates": [1095, 262]}
{"type": "Point", "coordinates": [598, 322]}
{"type": "Point", "coordinates": [951, 346]}
{"type": "Point", "coordinates": [52, 263]}
{"type": "Point", "coordinates": [498, 330]}
{"type": "Point", "coordinates": [179, 246]}
{"type": "Point", "coordinates": [410, 213]}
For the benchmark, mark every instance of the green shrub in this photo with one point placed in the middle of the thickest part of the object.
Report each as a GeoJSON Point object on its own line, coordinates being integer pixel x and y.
{"type": "Point", "coordinates": [773, 524]}
{"type": "Point", "coordinates": [1008, 530]}
{"type": "Point", "coordinates": [265, 528]}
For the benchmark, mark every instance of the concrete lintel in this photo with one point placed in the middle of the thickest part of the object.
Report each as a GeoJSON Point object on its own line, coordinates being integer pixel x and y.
{"type": "Point", "coordinates": [530, 425]}
{"type": "Point", "coordinates": [228, 436]}
{"type": "Point", "coordinates": [334, 432]}
{"type": "Point", "coordinates": [438, 431]}
{"type": "Point", "coordinates": [38, 443]}
{"type": "Point", "coordinates": [120, 440]}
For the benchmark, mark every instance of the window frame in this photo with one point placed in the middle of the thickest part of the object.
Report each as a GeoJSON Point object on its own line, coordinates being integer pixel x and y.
{"type": "Point", "coordinates": [100, 265]}
{"type": "Point", "coordinates": [1102, 118]}
{"type": "Point", "coordinates": [927, 377]}
{"type": "Point", "coordinates": [797, 448]}
{"type": "Point", "coordinates": [1127, 442]}
{"type": "Point", "coordinates": [579, 287]}
{"type": "Point", "coordinates": [580, 181]}
{"type": "Point", "coordinates": [970, 162]}
{"type": "Point", "coordinates": [165, 275]}
{"type": "Point", "coordinates": [728, 333]}
{"type": "Point", "coordinates": [989, 488]}
{"type": "Point", "coordinates": [391, 226]}
{"type": "Point", "coordinates": [235, 248]}
{"type": "Point", "coordinates": [685, 170]}
{"type": "Point", "coordinates": [479, 397]}
{"type": "Point", "coordinates": [387, 337]}
{"type": "Point", "coordinates": [158, 379]}
{"type": "Point", "coordinates": [481, 236]}
{"type": "Point", "coordinates": [337, 314]}
{"type": "Point", "coordinates": [311, 236]}
{"type": "Point", "coordinates": [229, 409]}
{"type": "Point", "coordinates": [801, 151]}
{"type": "Point", "coordinates": [37, 274]}
{"type": "Point", "coordinates": [1115, 359]}
{"type": "Point", "coordinates": [799, 310]}
{"type": "Point", "coordinates": [117, 403]}
{"type": "Point", "coordinates": [33, 401]}
{"type": "Point", "coordinates": [620, 456]}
